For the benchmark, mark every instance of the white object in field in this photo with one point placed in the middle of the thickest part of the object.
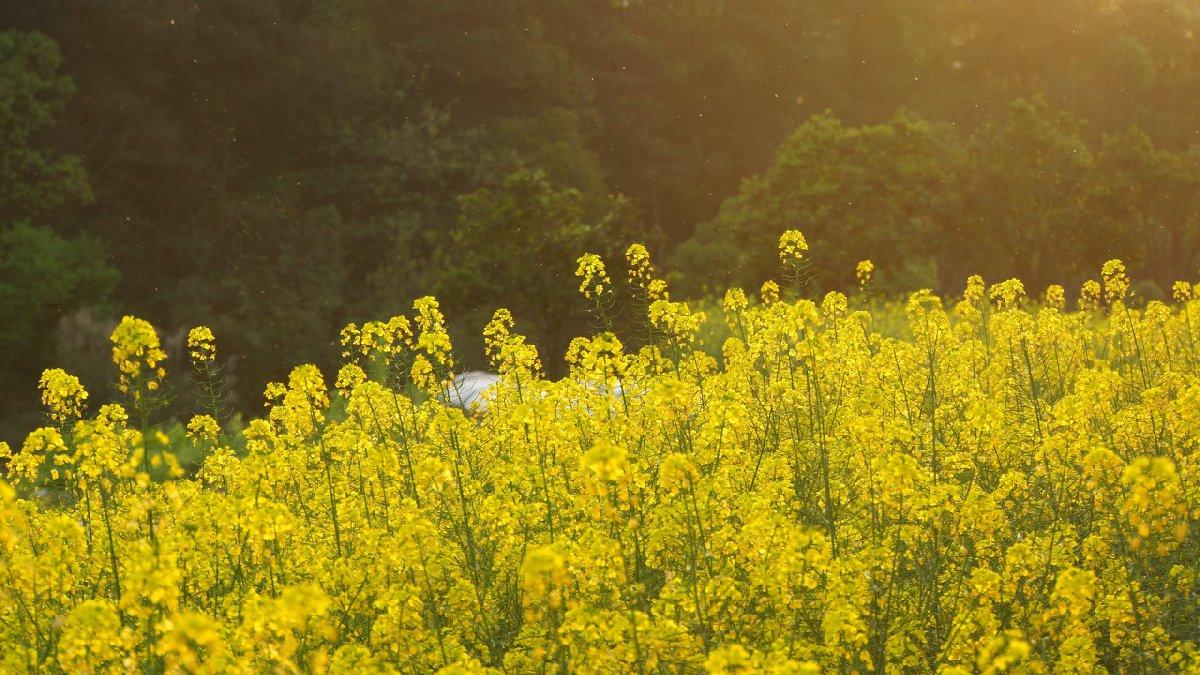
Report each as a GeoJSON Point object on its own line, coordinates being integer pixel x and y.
{"type": "Point", "coordinates": [604, 389]}
{"type": "Point", "coordinates": [468, 390]}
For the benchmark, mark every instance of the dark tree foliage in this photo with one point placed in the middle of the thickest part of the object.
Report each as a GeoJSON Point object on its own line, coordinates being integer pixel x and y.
{"type": "Point", "coordinates": [34, 180]}
{"type": "Point", "coordinates": [857, 192]}
{"type": "Point", "coordinates": [43, 275]}
{"type": "Point", "coordinates": [277, 168]}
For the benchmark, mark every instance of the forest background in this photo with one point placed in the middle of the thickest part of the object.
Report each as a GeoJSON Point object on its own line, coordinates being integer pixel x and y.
{"type": "Point", "coordinates": [278, 168]}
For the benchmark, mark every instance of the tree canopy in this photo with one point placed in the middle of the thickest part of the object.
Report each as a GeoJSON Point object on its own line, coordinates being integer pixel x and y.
{"type": "Point", "coordinates": [279, 168]}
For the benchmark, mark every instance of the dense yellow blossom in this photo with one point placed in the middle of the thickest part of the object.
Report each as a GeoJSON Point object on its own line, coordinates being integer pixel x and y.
{"type": "Point", "coordinates": [863, 272]}
{"type": "Point", "coordinates": [508, 351]}
{"type": "Point", "coordinates": [792, 246]}
{"type": "Point", "coordinates": [203, 427]}
{"type": "Point", "coordinates": [63, 395]}
{"type": "Point", "coordinates": [202, 345]}
{"type": "Point", "coordinates": [769, 292]}
{"type": "Point", "coordinates": [641, 270]}
{"type": "Point", "coordinates": [1055, 297]}
{"type": "Point", "coordinates": [999, 485]}
{"type": "Point", "coordinates": [593, 279]}
{"type": "Point", "coordinates": [138, 356]}
{"type": "Point", "coordinates": [1116, 283]}
{"type": "Point", "coordinates": [1089, 295]}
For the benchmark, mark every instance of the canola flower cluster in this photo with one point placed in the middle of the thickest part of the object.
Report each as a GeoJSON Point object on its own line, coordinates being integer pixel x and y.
{"type": "Point", "coordinates": [1010, 488]}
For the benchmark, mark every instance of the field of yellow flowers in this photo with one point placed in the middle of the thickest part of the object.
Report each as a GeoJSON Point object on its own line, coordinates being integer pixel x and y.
{"type": "Point", "coordinates": [1014, 487]}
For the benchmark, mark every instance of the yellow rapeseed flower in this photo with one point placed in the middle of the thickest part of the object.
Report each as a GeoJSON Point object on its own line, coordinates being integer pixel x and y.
{"type": "Point", "coordinates": [593, 279]}
{"type": "Point", "coordinates": [991, 486]}
{"type": "Point", "coordinates": [62, 395]}
{"type": "Point", "coordinates": [202, 345]}
{"type": "Point", "coordinates": [792, 246]}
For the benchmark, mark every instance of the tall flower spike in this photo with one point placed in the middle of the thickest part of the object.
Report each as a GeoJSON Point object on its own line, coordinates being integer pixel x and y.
{"type": "Point", "coordinates": [734, 301]}
{"type": "Point", "coordinates": [496, 332]}
{"type": "Point", "coordinates": [349, 338]}
{"type": "Point", "coordinates": [138, 356]}
{"type": "Point", "coordinates": [797, 269]}
{"type": "Point", "coordinates": [792, 246]}
{"type": "Point", "coordinates": [976, 290]}
{"type": "Point", "coordinates": [657, 290]}
{"type": "Point", "coordinates": [593, 278]}
{"type": "Point", "coordinates": [1116, 283]}
{"type": "Point", "coordinates": [641, 271]}
{"type": "Point", "coordinates": [433, 339]}
{"type": "Point", "coordinates": [202, 345]}
{"type": "Point", "coordinates": [769, 293]}
{"type": "Point", "coordinates": [349, 377]}
{"type": "Point", "coordinates": [676, 322]}
{"type": "Point", "coordinates": [1089, 295]}
{"type": "Point", "coordinates": [1008, 293]}
{"type": "Point", "coordinates": [63, 395]}
{"type": "Point", "coordinates": [1055, 296]}
{"type": "Point", "coordinates": [864, 270]}
{"type": "Point", "coordinates": [508, 351]}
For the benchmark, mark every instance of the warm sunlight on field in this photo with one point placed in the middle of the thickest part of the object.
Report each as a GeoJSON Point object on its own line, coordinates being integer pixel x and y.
{"type": "Point", "coordinates": [1015, 488]}
{"type": "Point", "coordinates": [324, 347]}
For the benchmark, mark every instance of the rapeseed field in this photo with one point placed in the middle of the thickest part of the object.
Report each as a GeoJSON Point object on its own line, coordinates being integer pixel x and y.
{"type": "Point", "coordinates": [1014, 486]}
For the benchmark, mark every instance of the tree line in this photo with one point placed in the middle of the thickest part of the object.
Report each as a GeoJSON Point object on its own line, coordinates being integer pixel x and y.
{"type": "Point", "coordinates": [279, 168]}
{"type": "Point", "coordinates": [1030, 194]}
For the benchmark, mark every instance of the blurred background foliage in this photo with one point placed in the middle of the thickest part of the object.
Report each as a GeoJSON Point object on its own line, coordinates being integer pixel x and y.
{"type": "Point", "coordinates": [278, 168]}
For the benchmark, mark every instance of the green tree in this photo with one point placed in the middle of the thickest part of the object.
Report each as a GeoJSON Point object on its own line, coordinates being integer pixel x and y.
{"type": "Point", "coordinates": [515, 245]}
{"type": "Point", "coordinates": [287, 297]}
{"type": "Point", "coordinates": [33, 178]}
{"type": "Point", "coordinates": [211, 131]}
{"type": "Point", "coordinates": [43, 275]}
{"type": "Point", "coordinates": [1146, 205]}
{"type": "Point", "coordinates": [1023, 193]}
{"type": "Point", "coordinates": [856, 192]}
